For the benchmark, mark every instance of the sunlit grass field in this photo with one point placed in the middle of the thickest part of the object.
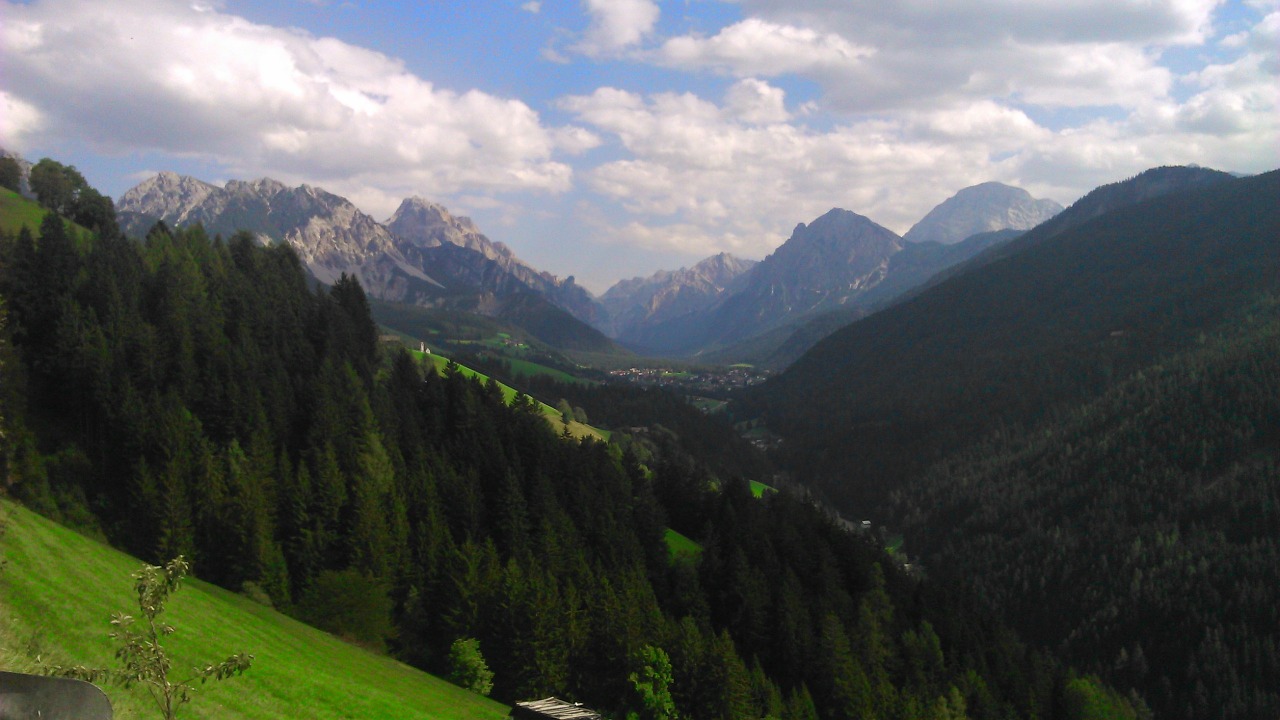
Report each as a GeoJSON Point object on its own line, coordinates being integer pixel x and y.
{"type": "Point", "coordinates": [58, 590]}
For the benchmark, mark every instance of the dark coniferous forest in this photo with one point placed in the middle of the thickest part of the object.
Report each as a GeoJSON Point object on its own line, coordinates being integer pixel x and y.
{"type": "Point", "coordinates": [1084, 432]}
{"type": "Point", "coordinates": [195, 395]}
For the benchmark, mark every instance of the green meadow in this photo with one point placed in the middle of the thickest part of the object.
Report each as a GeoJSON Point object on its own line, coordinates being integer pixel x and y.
{"type": "Point", "coordinates": [576, 429]}
{"type": "Point", "coordinates": [16, 211]}
{"type": "Point", "coordinates": [59, 589]}
{"type": "Point", "coordinates": [681, 546]}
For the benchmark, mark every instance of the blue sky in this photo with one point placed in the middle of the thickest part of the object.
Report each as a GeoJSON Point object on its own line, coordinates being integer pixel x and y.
{"type": "Point", "coordinates": [611, 138]}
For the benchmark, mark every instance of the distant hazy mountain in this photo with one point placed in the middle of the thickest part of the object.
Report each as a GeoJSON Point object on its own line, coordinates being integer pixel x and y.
{"type": "Point", "coordinates": [822, 266]}
{"type": "Point", "coordinates": [982, 208]}
{"type": "Point", "coordinates": [908, 269]}
{"type": "Point", "coordinates": [668, 294]}
{"type": "Point", "coordinates": [1147, 185]}
{"type": "Point", "coordinates": [830, 272]}
{"type": "Point", "coordinates": [423, 255]}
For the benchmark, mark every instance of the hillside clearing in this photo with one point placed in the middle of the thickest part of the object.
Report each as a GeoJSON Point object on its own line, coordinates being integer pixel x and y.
{"type": "Point", "coordinates": [58, 591]}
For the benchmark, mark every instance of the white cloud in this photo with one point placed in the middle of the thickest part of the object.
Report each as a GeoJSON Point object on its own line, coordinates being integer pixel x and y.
{"type": "Point", "coordinates": [617, 25]}
{"type": "Point", "coordinates": [755, 101]}
{"type": "Point", "coordinates": [156, 75]}
{"type": "Point", "coordinates": [534, 6]}
{"type": "Point", "coordinates": [759, 47]}
{"type": "Point", "coordinates": [743, 185]}
{"type": "Point", "coordinates": [20, 121]}
{"type": "Point", "coordinates": [1240, 99]}
{"type": "Point", "coordinates": [698, 178]}
{"type": "Point", "coordinates": [886, 56]}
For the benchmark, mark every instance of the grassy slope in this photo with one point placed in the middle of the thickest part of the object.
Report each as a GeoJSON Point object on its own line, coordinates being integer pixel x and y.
{"type": "Point", "coordinates": [576, 429]}
{"type": "Point", "coordinates": [59, 590]}
{"type": "Point", "coordinates": [530, 368]}
{"type": "Point", "coordinates": [16, 211]}
{"type": "Point", "coordinates": [681, 545]}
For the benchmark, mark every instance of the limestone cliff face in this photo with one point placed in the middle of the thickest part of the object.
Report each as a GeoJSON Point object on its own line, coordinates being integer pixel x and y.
{"type": "Point", "coordinates": [330, 235]}
{"type": "Point", "coordinates": [982, 208]}
{"type": "Point", "coordinates": [421, 226]}
{"type": "Point", "coordinates": [422, 255]}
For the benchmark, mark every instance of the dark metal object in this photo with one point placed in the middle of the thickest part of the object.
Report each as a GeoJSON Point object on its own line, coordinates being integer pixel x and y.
{"type": "Point", "coordinates": [35, 697]}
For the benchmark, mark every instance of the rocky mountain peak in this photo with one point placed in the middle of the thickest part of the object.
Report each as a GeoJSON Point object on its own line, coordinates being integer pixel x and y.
{"type": "Point", "coordinates": [265, 187]}
{"type": "Point", "coordinates": [838, 236]}
{"type": "Point", "coordinates": [982, 208]}
{"type": "Point", "coordinates": [167, 195]}
{"type": "Point", "coordinates": [721, 264]}
{"type": "Point", "coordinates": [426, 224]}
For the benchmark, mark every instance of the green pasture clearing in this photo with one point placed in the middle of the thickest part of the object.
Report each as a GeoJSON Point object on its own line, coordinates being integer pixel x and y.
{"type": "Point", "coordinates": [530, 368]}
{"type": "Point", "coordinates": [16, 211]}
{"type": "Point", "coordinates": [58, 592]}
{"type": "Point", "coordinates": [680, 546]}
{"type": "Point", "coordinates": [707, 405]}
{"type": "Point", "coordinates": [576, 429]}
{"type": "Point", "coordinates": [758, 489]}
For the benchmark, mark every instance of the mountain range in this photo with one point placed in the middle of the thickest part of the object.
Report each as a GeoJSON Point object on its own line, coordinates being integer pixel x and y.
{"type": "Point", "coordinates": [835, 268]}
{"type": "Point", "coordinates": [828, 273]}
{"type": "Point", "coordinates": [422, 255]}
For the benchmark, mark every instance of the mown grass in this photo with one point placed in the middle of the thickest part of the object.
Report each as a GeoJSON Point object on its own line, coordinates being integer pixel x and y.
{"type": "Point", "coordinates": [59, 589]}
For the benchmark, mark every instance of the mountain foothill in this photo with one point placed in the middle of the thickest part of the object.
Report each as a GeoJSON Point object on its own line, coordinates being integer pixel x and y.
{"type": "Point", "coordinates": [1054, 430]}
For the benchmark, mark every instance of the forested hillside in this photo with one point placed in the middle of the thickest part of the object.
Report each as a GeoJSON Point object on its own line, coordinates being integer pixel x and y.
{"type": "Point", "coordinates": [1084, 431]}
{"type": "Point", "coordinates": [1139, 532]}
{"type": "Point", "coordinates": [190, 395]}
{"type": "Point", "coordinates": [1057, 322]}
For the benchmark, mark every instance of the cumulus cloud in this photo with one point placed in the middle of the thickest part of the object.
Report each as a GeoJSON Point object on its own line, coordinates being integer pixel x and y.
{"type": "Point", "coordinates": [743, 184]}
{"type": "Point", "coordinates": [887, 56]}
{"type": "Point", "coordinates": [707, 177]}
{"type": "Point", "coordinates": [156, 75]}
{"type": "Point", "coordinates": [617, 25]}
{"type": "Point", "coordinates": [756, 101]}
{"type": "Point", "coordinates": [760, 47]}
{"type": "Point", "coordinates": [21, 121]}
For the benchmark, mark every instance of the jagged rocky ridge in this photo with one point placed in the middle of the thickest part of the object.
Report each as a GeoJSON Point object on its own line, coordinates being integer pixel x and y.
{"type": "Point", "coordinates": [422, 255]}
{"type": "Point", "coordinates": [842, 264]}
{"type": "Point", "coordinates": [666, 295]}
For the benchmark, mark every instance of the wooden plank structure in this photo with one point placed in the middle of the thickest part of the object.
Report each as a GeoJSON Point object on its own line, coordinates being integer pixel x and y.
{"type": "Point", "coordinates": [553, 709]}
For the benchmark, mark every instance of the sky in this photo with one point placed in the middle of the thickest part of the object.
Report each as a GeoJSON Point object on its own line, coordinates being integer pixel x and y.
{"type": "Point", "coordinates": [607, 139]}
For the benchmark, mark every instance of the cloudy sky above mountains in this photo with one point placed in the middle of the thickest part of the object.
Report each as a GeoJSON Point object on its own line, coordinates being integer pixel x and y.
{"type": "Point", "coordinates": [610, 138]}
